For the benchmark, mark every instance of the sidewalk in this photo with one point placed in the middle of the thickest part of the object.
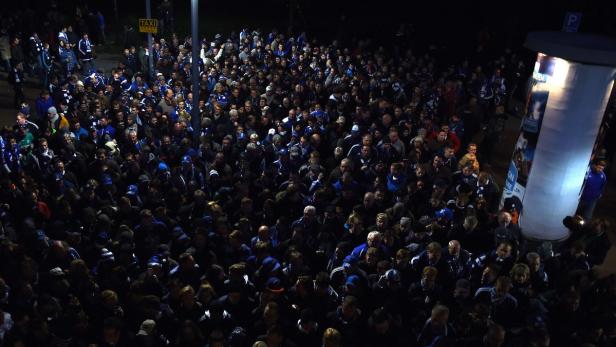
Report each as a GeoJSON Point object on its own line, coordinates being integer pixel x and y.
{"type": "Point", "coordinates": [106, 60]}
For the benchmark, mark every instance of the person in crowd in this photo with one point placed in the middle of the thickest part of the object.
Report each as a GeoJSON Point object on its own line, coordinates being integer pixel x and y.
{"type": "Point", "coordinates": [16, 79]}
{"type": "Point", "coordinates": [593, 188]}
{"type": "Point", "coordinates": [85, 54]}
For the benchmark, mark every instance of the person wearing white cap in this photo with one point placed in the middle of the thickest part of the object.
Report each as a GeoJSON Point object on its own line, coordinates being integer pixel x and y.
{"type": "Point", "coordinates": [147, 328]}
{"type": "Point", "coordinates": [56, 121]}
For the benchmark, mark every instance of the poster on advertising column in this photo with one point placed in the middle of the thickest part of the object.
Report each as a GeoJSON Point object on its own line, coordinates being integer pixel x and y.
{"type": "Point", "coordinates": [523, 154]}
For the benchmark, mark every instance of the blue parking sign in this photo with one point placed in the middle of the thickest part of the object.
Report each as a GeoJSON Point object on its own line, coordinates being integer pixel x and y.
{"type": "Point", "coordinates": [572, 21]}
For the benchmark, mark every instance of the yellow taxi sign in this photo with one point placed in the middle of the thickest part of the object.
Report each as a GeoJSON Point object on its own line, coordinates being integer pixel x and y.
{"type": "Point", "coordinates": [148, 25]}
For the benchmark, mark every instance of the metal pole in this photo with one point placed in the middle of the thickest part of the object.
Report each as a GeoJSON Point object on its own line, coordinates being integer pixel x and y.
{"type": "Point", "coordinates": [117, 21]}
{"type": "Point", "coordinates": [148, 15]}
{"type": "Point", "coordinates": [196, 117]}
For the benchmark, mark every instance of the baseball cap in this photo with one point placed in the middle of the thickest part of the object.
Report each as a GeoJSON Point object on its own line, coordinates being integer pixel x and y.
{"type": "Point", "coordinates": [56, 272]}
{"type": "Point", "coordinates": [106, 180]}
{"type": "Point", "coordinates": [444, 213]}
{"type": "Point", "coordinates": [163, 167]}
{"type": "Point", "coordinates": [271, 263]}
{"type": "Point", "coordinates": [155, 260]}
{"type": "Point", "coordinates": [144, 179]}
{"type": "Point", "coordinates": [353, 280]}
{"type": "Point", "coordinates": [349, 261]}
{"type": "Point", "coordinates": [392, 275]}
{"type": "Point", "coordinates": [147, 327]}
{"type": "Point", "coordinates": [132, 190]}
{"type": "Point", "coordinates": [25, 109]}
{"type": "Point", "coordinates": [274, 285]}
{"type": "Point", "coordinates": [107, 255]}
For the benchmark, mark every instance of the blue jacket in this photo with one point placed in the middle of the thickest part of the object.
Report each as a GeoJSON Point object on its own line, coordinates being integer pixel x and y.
{"type": "Point", "coordinates": [85, 49]}
{"type": "Point", "coordinates": [42, 106]}
{"type": "Point", "coordinates": [595, 182]}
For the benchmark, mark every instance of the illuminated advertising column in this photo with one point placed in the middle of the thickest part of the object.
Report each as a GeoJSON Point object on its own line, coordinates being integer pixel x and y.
{"type": "Point", "coordinates": [571, 83]}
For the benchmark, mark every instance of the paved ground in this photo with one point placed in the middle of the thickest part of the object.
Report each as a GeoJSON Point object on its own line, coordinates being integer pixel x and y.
{"type": "Point", "coordinates": [106, 60]}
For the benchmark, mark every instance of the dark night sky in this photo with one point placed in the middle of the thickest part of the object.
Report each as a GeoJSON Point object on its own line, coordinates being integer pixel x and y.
{"type": "Point", "coordinates": [452, 23]}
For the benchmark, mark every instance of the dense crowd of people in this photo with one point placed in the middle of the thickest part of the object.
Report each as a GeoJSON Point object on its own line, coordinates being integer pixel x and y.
{"type": "Point", "coordinates": [336, 197]}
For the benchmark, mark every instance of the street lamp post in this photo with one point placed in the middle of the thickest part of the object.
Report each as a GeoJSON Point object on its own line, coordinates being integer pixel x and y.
{"type": "Point", "coordinates": [148, 15]}
{"type": "Point", "coordinates": [196, 116]}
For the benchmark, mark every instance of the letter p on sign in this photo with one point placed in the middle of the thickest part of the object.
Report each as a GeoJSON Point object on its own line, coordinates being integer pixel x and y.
{"type": "Point", "coordinates": [572, 21]}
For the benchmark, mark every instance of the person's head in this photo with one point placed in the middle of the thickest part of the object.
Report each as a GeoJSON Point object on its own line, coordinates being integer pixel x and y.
{"type": "Point", "coordinates": [186, 261]}
{"type": "Point", "coordinates": [470, 223]}
{"type": "Point", "coordinates": [439, 315]}
{"type": "Point", "coordinates": [437, 161]}
{"type": "Point", "coordinates": [21, 119]}
{"type": "Point", "coordinates": [434, 251]}
{"type": "Point", "coordinates": [467, 170]}
{"type": "Point", "coordinates": [271, 312]}
{"type": "Point", "coordinates": [495, 336]}
{"type": "Point", "coordinates": [374, 239]}
{"type": "Point", "coordinates": [310, 213]}
{"type": "Point", "coordinates": [396, 169]}
{"type": "Point", "coordinates": [504, 219]}
{"type": "Point", "coordinates": [52, 112]}
{"type": "Point", "coordinates": [365, 151]}
{"type": "Point", "coordinates": [372, 256]}
{"type": "Point", "coordinates": [366, 140]}
{"type": "Point", "coordinates": [483, 178]}
{"type": "Point", "coordinates": [275, 336]}
{"type": "Point", "coordinates": [428, 275]}
{"type": "Point", "coordinates": [332, 338]}
{"type": "Point", "coordinates": [454, 248]}
{"type": "Point", "coordinates": [403, 256]}
{"type": "Point", "coordinates": [187, 296]}
{"type": "Point", "coordinates": [503, 250]}
{"type": "Point", "coordinates": [441, 136]}
{"type": "Point", "coordinates": [533, 259]}
{"type": "Point", "coordinates": [570, 301]}
{"type": "Point", "coordinates": [502, 286]}
{"type": "Point", "coordinates": [109, 299]}
{"type": "Point", "coordinates": [85, 36]}
{"type": "Point", "coordinates": [349, 307]}
{"type": "Point", "coordinates": [380, 321]}
{"type": "Point", "coordinates": [599, 166]}
{"type": "Point", "coordinates": [381, 221]}
{"type": "Point", "coordinates": [472, 148]}
{"type": "Point", "coordinates": [103, 121]}
{"type": "Point", "coordinates": [355, 224]}
{"type": "Point", "coordinates": [368, 199]}
{"type": "Point", "coordinates": [216, 338]}
{"type": "Point", "coordinates": [520, 273]}
{"type": "Point", "coordinates": [345, 165]}
{"type": "Point", "coordinates": [206, 293]}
